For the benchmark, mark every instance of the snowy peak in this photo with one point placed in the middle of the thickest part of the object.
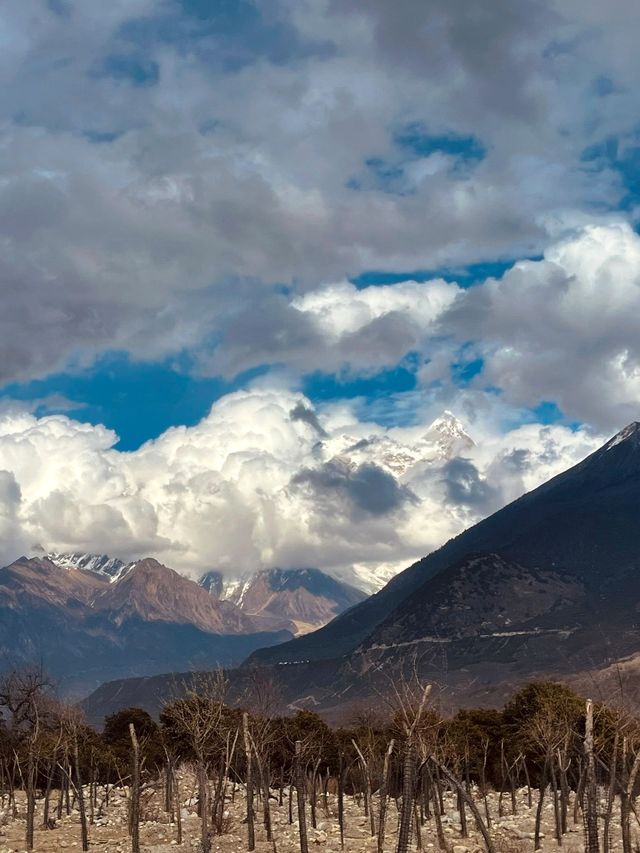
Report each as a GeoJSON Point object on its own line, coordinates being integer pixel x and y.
{"type": "Point", "coordinates": [441, 441]}
{"type": "Point", "coordinates": [616, 461]}
{"type": "Point", "coordinates": [99, 564]}
{"type": "Point", "coordinates": [448, 434]}
{"type": "Point", "coordinates": [630, 433]}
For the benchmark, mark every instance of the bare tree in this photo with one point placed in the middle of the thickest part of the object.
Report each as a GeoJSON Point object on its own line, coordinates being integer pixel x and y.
{"type": "Point", "coordinates": [197, 716]}
{"type": "Point", "coordinates": [24, 694]}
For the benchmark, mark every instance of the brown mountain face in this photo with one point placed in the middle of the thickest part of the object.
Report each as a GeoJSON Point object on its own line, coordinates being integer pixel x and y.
{"type": "Point", "coordinates": [153, 592]}
{"type": "Point", "coordinates": [41, 581]}
{"type": "Point", "coordinates": [85, 628]}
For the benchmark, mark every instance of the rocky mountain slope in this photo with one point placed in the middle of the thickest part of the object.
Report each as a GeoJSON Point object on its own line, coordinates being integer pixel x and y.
{"type": "Point", "coordinates": [86, 627]}
{"type": "Point", "coordinates": [303, 599]}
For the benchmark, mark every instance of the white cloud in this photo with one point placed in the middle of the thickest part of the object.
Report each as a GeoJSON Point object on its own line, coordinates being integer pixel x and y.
{"type": "Point", "coordinates": [253, 486]}
{"type": "Point", "coordinates": [343, 309]}
{"type": "Point", "coordinates": [564, 329]}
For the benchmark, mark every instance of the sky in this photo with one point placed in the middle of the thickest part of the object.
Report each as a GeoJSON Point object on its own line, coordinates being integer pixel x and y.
{"type": "Point", "coordinates": [241, 237]}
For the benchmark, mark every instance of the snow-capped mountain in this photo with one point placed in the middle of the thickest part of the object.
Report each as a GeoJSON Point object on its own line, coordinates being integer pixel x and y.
{"type": "Point", "coordinates": [369, 579]}
{"type": "Point", "coordinates": [296, 599]}
{"type": "Point", "coordinates": [441, 441]}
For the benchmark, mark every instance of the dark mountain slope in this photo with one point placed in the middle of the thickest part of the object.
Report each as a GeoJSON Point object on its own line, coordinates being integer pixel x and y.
{"type": "Point", "coordinates": [584, 522]}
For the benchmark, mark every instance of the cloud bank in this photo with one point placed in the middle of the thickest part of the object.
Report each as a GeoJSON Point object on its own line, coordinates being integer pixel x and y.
{"type": "Point", "coordinates": [255, 485]}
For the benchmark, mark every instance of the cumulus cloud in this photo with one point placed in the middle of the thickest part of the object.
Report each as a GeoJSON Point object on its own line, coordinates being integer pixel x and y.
{"type": "Point", "coordinates": [333, 327]}
{"type": "Point", "coordinates": [566, 328]}
{"type": "Point", "coordinates": [253, 486]}
{"type": "Point", "coordinates": [563, 329]}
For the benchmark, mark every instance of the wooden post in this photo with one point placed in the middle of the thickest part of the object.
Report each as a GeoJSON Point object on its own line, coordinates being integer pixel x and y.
{"type": "Point", "coordinates": [341, 773]}
{"type": "Point", "coordinates": [606, 841]}
{"type": "Point", "coordinates": [31, 797]}
{"type": "Point", "coordinates": [543, 788]}
{"type": "Point", "coordinates": [406, 813]}
{"type": "Point", "coordinates": [302, 818]}
{"type": "Point", "coordinates": [203, 803]}
{"type": "Point", "coordinates": [135, 791]}
{"type": "Point", "coordinates": [80, 794]}
{"type": "Point", "coordinates": [251, 837]}
{"type": "Point", "coordinates": [178, 810]}
{"type": "Point", "coordinates": [384, 787]}
{"type": "Point", "coordinates": [592, 843]}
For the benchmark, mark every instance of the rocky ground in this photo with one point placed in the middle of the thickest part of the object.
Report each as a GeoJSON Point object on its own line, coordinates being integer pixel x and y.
{"type": "Point", "coordinates": [510, 833]}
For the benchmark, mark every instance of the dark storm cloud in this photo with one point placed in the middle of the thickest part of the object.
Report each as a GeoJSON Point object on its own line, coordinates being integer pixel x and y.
{"type": "Point", "coordinates": [489, 45]}
{"type": "Point", "coordinates": [465, 486]}
{"type": "Point", "coordinates": [365, 488]}
{"type": "Point", "coordinates": [300, 412]}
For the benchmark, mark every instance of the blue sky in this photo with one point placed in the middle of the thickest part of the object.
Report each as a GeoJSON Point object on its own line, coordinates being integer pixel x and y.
{"type": "Point", "coordinates": [369, 214]}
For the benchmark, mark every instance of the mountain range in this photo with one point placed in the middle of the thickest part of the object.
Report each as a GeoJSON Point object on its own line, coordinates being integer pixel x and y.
{"type": "Point", "coordinates": [90, 618]}
{"type": "Point", "coordinates": [549, 585]}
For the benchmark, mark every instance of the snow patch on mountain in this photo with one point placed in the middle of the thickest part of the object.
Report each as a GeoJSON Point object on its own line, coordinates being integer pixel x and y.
{"type": "Point", "coordinates": [99, 564]}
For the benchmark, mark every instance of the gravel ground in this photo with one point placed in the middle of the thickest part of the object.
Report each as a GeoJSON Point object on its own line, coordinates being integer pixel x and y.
{"type": "Point", "coordinates": [511, 833]}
